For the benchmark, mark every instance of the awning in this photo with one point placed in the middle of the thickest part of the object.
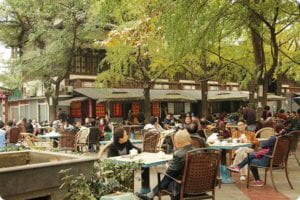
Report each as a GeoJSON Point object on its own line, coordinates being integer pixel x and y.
{"type": "Point", "coordinates": [215, 96]}
{"type": "Point", "coordinates": [273, 97]}
{"type": "Point", "coordinates": [69, 101]}
{"type": "Point", "coordinates": [173, 96]}
{"type": "Point", "coordinates": [121, 96]}
{"type": "Point", "coordinates": [135, 94]}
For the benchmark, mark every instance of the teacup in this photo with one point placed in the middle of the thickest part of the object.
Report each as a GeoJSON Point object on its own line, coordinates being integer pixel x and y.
{"type": "Point", "coordinates": [217, 142]}
{"type": "Point", "coordinates": [133, 152]}
{"type": "Point", "coordinates": [161, 154]}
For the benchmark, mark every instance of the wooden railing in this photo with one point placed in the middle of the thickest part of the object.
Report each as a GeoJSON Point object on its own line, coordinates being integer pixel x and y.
{"type": "Point", "coordinates": [175, 85]}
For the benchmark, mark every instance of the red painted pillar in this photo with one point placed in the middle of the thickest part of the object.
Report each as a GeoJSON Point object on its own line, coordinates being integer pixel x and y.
{"type": "Point", "coordinates": [90, 108]}
{"type": "Point", "coordinates": [6, 109]}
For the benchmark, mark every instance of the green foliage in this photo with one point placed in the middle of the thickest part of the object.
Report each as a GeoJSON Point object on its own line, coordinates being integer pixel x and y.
{"type": "Point", "coordinates": [12, 148]}
{"type": "Point", "coordinates": [136, 50]}
{"type": "Point", "coordinates": [108, 177]}
{"type": "Point", "coordinates": [78, 187]}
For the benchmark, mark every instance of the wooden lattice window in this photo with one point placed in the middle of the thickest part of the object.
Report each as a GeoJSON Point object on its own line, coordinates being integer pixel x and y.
{"type": "Point", "coordinates": [75, 109]}
{"type": "Point", "coordinates": [135, 108]}
{"type": "Point", "coordinates": [117, 110]}
{"type": "Point", "coordinates": [155, 109]}
{"type": "Point", "coordinates": [100, 110]}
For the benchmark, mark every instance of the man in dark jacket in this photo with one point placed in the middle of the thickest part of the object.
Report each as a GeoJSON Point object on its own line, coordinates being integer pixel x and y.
{"type": "Point", "coordinates": [249, 116]}
{"type": "Point", "coordinates": [294, 123]}
{"type": "Point", "coordinates": [182, 142]}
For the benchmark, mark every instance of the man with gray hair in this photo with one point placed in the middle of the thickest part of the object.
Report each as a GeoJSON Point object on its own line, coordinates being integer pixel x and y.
{"type": "Point", "coordinates": [182, 141]}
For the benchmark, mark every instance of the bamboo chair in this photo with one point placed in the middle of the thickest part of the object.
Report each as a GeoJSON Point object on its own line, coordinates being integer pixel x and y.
{"type": "Point", "coordinates": [151, 141]}
{"type": "Point", "coordinates": [294, 144]}
{"type": "Point", "coordinates": [278, 160]}
{"type": "Point", "coordinates": [265, 132]}
{"type": "Point", "coordinates": [82, 139]}
{"type": "Point", "coordinates": [200, 175]}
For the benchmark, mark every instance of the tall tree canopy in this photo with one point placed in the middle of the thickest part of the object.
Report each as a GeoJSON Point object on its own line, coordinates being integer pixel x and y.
{"type": "Point", "coordinates": [135, 46]}
{"type": "Point", "coordinates": [45, 35]}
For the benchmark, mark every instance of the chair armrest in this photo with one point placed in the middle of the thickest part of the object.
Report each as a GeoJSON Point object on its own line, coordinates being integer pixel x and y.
{"type": "Point", "coordinates": [174, 179]}
{"type": "Point", "coordinates": [268, 156]}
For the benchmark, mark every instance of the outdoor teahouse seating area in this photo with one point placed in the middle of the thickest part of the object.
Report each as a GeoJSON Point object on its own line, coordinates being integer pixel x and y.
{"type": "Point", "coordinates": [205, 166]}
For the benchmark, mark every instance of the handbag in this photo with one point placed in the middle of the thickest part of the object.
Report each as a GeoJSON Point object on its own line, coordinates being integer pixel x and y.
{"type": "Point", "coordinates": [261, 153]}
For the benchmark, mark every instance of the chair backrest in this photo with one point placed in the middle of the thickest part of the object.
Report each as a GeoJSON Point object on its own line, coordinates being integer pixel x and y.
{"type": "Point", "coordinates": [200, 172]}
{"type": "Point", "coordinates": [150, 142]}
{"type": "Point", "coordinates": [103, 153]}
{"type": "Point", "coordinates": [82, 136]}
{"type": "Point", "coordinates": [281, 150]}
{"type": "Point", "coordinates": [295, 135]}
{"type": "Point", "coordinates": [197, 142]}
{"type": "Point", "coordinates": [29, 141]}
{"type": "Point", "coordinates": [67, 139]}
{"type": "Point", "coordinates": [207, 132]}
{"type": "Point", "coordinates": [94, 135]}
{"type": "Point", "coordinates": [13, 135]}
{"type": "Point", "coordinates": [265, 132]}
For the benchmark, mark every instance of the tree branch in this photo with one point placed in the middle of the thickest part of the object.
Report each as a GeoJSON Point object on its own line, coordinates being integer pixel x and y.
{"type": "Point", "coordinates": [291, 59]}
{"type": "Point", "coordinates": [259, 16]}
{"type": "Point", "coordinates": [286, 26]}
{"type": "Point", "coordinates": [230, 61]}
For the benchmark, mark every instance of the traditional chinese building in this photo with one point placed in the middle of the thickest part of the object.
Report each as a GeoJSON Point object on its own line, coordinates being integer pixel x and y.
{"type": "Point", "coordinates": [4, 94]}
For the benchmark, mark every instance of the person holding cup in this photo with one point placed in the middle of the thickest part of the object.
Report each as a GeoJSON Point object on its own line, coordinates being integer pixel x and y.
{"type": "Point", "coordinates": [244, 136]}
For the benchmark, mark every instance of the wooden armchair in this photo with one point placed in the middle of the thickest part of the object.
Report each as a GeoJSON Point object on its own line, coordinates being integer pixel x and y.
{"type": "Point", "coordinates": [197, 142]}
{"type": "Point", "coordinates": [150, 142]}
{"type": "Point", "coordinates": [94, 138]}
{"type": "Point", "coordinates": [265, 132]}
{"type": "Point", "coordinates": [14, 135]}
{"type": "Point", "coordinates": [67, 140]}
{"type": "Point", "coordinates": [200, 175]}
{"type": "Point", "coordinates": [295, 135]}
{"type": "Point", "coordinates": [278, 160]}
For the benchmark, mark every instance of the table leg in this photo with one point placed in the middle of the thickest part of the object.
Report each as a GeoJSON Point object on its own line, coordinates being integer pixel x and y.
{"type": "Point", "coordinates": [145, 180]}
{"type": "Point", "coordinates": [131, 130]}
{"type": "Point", "coordinates": [224, 173]}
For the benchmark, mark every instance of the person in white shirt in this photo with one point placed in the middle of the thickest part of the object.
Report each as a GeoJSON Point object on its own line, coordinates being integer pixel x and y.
{"type": "Point", "coordinates": [153, 125]}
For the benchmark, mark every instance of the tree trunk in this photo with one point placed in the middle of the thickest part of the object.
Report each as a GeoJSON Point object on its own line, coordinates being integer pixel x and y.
{"type": "Point", "coordinates": [204, 105]}
{"type": "Point", "coordinates": [264, 98]}
{"type": "Point", "coordinates": [252, 88]}
{"type": "Point", "coordinates": [279, 90]}
{"type": "Point", "coordinates": [53, 107]}
{"type": "Point", "coordinates": [147, 104]}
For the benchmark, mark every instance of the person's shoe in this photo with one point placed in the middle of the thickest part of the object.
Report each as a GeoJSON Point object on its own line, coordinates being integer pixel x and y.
{"type": "Point", "coordinates": [234, 169]}
{"type": "Point", "coordinates": [243, 178]}
{"type": "Point", "coordinates": [257, 183]}
{"type": "Point", "coordinates": [142, 196]}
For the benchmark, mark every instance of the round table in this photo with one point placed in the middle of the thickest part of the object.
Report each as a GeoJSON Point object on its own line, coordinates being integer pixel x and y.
{"type": "Point", "coordinates": [224, 173]}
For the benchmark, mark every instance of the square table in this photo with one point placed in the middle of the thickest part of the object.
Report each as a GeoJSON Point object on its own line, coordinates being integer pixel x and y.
{"type": "Point", "coordinates": [226, 178]}
{"type": "Point", "coordinates": [148, 160]}
{"type": "Point", "coordinates": [121, 196]}
{"type": "Point", "coordinates": [134, 141]}
{"type": "Point", "coordinates": [52, 135]}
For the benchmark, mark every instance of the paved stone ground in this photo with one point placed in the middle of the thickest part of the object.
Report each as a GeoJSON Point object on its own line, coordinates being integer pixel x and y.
{"type": "Point", "coordinates": [238, 191]}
